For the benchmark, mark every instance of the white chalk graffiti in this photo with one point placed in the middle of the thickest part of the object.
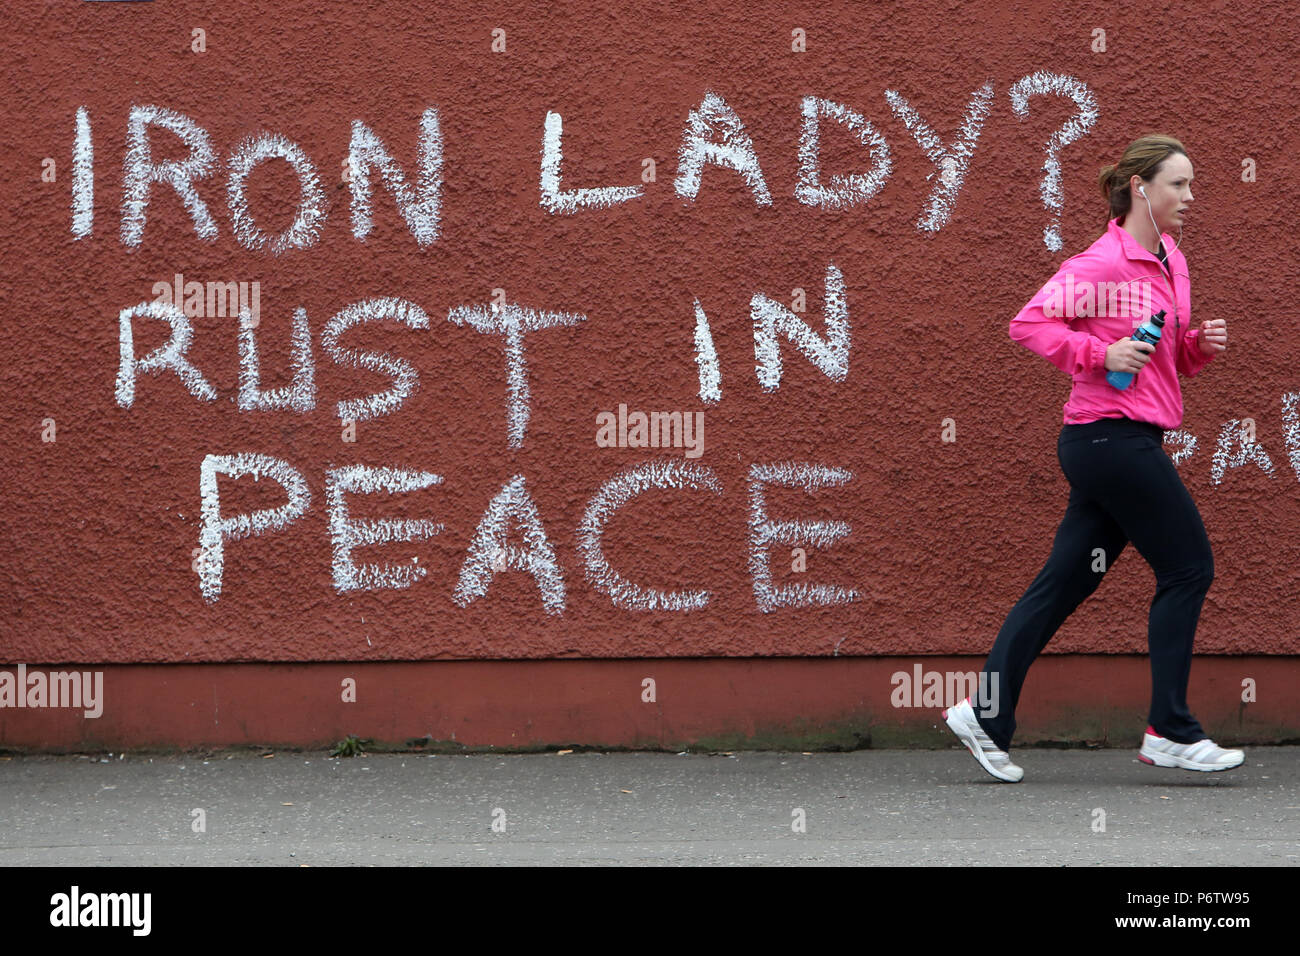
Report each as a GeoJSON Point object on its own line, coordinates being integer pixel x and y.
{"type": "Point", "coordinates": [765, 532]}
{"type": "Point", "coordinates": [612, 495]}
{"type": "Point", "coordinates": [422, 213]}
{"type": "Point", "coordinates": [1186, 443]}
{"type": "Point", "coordinates": [140, 172]}
{"type": "Point", "coordinates": [1247, 451]}
{"type": "Point", "coordinates": [216, 530]}
{"type": "Point", "coordinates": [713, 134]}
{"type": "Point", "coordinates": [347, 533]}
{"type": "Point", "coordinates": [300, 394]}
{"type": "Point", "coordinates": [512, 321]}
{"type": "Point", "coordinates": [312, 207]}
{"type": "Point", "coordinates": [1043, 83]}
{"type": "Point", "coordinates": [736, 151]}
{"type": "Point", "coordinates": [953, 161]}
{"type": "Point", "coordinates": [490, 553]}
{"type": "Point", "coordinates": [566, 202]}
{"type": "Point", "coordinates": [404, 376]}
{"type": "Point", "coordinates": [1291, 428]}
{"type": "Point", "coordinates": [830, 355]}
{"type": "Point", "coordinates": [169, 355]}
{"type": "Point", "coordinates": [83, 177]}
{"type": "Point", "coordinates": [706, 358]}
{"type": "Point", "coordinates": [843, 191]}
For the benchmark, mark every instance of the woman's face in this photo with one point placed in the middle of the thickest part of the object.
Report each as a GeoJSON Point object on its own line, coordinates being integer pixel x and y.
{"type": "Point", "coordinates": [1169, 192]}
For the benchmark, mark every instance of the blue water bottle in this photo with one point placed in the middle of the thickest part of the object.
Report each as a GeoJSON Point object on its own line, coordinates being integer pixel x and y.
{"type": "Point", "coordinates": [1148, 331]}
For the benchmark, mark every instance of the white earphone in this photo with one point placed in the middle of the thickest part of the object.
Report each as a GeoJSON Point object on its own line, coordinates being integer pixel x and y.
{"type": "Point", "coordinates": [1143, 191]}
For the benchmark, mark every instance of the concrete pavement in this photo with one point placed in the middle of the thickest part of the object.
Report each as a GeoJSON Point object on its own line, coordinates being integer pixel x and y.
{"type": "Point", "coordinates": [865, 807]}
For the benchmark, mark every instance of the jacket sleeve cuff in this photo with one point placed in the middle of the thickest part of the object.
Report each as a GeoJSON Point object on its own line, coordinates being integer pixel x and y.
{"type": "Point", "coordinates": [1098, 355]}
{"type": "Point", "coordinates": [1194, 360]}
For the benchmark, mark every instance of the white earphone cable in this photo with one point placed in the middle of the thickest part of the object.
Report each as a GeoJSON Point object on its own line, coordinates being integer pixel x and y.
{"type": "Point", "coordinates": [1179, 241]}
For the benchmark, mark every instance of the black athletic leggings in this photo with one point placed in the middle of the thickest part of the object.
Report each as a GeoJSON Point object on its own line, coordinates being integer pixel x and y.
{"type": "Point", "coordinates": [1123, 487]}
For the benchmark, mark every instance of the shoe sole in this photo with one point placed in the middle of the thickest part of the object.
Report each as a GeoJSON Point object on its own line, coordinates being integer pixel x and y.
{"type": "Point", "coordinates": [1167, 760]}
{"type": "Point", "coordinates": [973, 746]}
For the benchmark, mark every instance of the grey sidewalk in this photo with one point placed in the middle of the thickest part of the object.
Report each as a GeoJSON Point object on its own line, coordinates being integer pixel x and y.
{"type": "Point", "coordinates": [868, 807]}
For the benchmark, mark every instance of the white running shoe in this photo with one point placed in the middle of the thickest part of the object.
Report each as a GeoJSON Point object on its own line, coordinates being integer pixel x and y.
{"type": "Point", "coordinates": [1202, 755]}
{"type": "Point", "coordinates": [961, 719]}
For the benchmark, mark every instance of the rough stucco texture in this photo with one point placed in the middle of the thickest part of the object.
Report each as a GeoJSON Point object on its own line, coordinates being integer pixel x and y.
{"type": "Point", "coordinates": [100, 526]}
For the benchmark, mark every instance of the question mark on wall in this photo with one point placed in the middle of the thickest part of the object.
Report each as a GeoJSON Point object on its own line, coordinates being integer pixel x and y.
{"type": "Point", "coordinates": [1042, 84]}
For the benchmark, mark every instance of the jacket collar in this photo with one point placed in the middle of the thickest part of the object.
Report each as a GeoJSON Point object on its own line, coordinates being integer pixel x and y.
{"type": "Point", "coordinates": [1132, 248]}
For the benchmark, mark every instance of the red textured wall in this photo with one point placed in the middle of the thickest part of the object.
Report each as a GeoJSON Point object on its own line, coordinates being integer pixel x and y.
{"type": "Point", "coordinates": [101, 524]}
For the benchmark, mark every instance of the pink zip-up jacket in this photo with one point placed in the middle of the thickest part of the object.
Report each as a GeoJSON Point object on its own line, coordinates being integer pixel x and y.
{"type": "Point", "coordinates": [1101, 296]}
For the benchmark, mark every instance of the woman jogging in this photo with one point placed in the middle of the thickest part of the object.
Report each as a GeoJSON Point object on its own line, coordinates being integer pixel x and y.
{"type": "Point", "coordinates": [1123, 487]}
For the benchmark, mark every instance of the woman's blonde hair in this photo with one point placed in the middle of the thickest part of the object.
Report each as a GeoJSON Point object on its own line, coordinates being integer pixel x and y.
{"type": "Point", "coordinates": [1142, 158]}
